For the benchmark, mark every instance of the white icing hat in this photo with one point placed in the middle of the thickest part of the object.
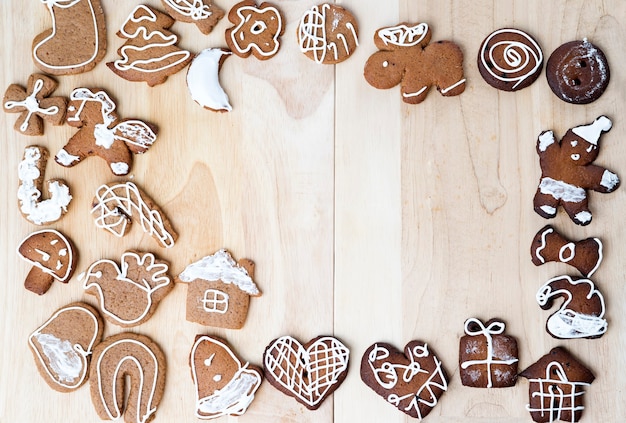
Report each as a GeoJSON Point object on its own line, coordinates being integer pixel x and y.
{"type": "Point", "coordinates": [591, 132]}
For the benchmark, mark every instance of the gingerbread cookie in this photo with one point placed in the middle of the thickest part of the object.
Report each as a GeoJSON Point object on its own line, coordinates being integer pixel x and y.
{"type": "Point", "coordinates": [310, 372]}
{"type": "Point", "coordinates": [204, 13]}
{"type": "Point", "coordinates": [328, 34]}
{"type": "Point", "coordinates": [53, 257]}
{"type": "Point", "coordinates": [102, 133]}
{"type": "Point", "coordinates": [578, 72]}
{"type": "Point", "coordinates": [412, 381]}
{"type": "Point", "coordinates": [224, 385]}
{"type": "Point", "coordinates": [407, 57]}
{"type": "Point", "coordinates": [257, 29]}
{"type": "Point", "coordinates": [77, 40]}
{"type": "Point", "coordinates": [219, 290]}
{"type": "Point", "coordinates": [556, 388]}
{"type": "Point", "coordinates": [581, 314]}
{"type": "Point", "coordinates": [62, 346]}
{"type": "Point", "coordinates": [487, 358]}
{"type": "Point", "coordinates": [34, 104]}
{"type": "Point", "coordinates": [127, 358]}
{"type": "Point", "coordinates": [567, 171]}
{"type": "Point", "coordinates": [33, 207]}
{"type": "Point", "coordinates": [150, 52]}
{"type": "Point", "coordinates": [510, 59]}
{"type": "Point", "coordinates": [116, 205]}
{"type": "Point", "coordinates": [203, 80]}
{"type": "Point", "coordinates": [549, 245]}
{"type": "Point", "coordinates": [128, 294]}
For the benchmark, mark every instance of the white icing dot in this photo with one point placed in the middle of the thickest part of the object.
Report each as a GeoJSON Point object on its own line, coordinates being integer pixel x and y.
{"type": "Point", "coordinates": [385, 64]}
{"type": "Point", "coordinates": [217, 378]}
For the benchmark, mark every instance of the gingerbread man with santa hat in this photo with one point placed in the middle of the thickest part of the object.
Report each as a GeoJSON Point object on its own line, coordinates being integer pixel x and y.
{"type": "Point", "coordinates": [567, 171]}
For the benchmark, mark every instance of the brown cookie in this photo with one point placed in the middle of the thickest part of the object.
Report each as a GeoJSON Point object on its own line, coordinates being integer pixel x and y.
{"type": "Point", "coordinates": [487, 358]}
{"type": "Point", "coordinates": [32, 205]}
{"type": "Point", "coordinates": [224, 385]}
{"type": "Point", "coordinates": [127, 358]}
{"type": "Point", "coordinates": [578, 72]}
{"type": "Point", "coordinates": [548, 245]}
{"type": "Point", "coordinates": [567, 171]}
{"type": "Point", "coordinates": [219, 290]}
{"type": "Point", "coordinates": [130, 293]}
{"type": "Point", "coordinates": [510, 59]}
{"type": "Point", "coordinates": [102, 133]}
{"type": "Point", "coordinates": [34, 104]}
{"type": "Point", "coordinates": [407, 57]}
{"type": "Point", "coordinates": [328, 34]}
{"type": "Point", "coordinates": [150, 52]}
{"type": "Point", "coordinates": [117, 204]}
{"type": "Point", "coordinates": [62, 346]}
{"type": "Point", "coordinates": [77, 40]}
{"type": "Point", "coordinates": [581, 314]}
{"type": "Point", "coordinates": [412, 381]}
{"type": "Point", "coordinates": [257, 29]}
{"type": "Point", "coordinates": [310, 373]}
{"type": "Point", "coordinates": [203, 80]}
{"type": "Point", "coordinates": [557, 383]}
{"type": "Point", "coordinates": [204, 13]}
{"type": "Point", "coordinates": [52, 255]}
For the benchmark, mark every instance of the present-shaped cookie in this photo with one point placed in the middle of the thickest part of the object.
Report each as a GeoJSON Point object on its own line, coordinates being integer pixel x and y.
{"type": "Point", "coordinates": [219, 290]}
{"type": "Point", "coordinates": [487, 357]}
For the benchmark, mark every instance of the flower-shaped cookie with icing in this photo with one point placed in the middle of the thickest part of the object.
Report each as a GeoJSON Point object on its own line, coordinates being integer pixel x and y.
{"type": "Point", "coordinates": [407, 58]}
{"type": "Point", "coordinates": [257, 30]}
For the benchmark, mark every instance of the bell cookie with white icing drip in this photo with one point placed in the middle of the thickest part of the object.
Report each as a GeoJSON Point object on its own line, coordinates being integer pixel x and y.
{"type": "Point", "coordinates": [578, 72]}
{"type": "Point", "coordinates": [34, 104]}
{"type": "Point", "coordinates": [205, 14]}
{"type": "Point", "coordinates": [257, 29]}
{"type": "Point", "coordinates": [328, 34]}
{"type": "Point", "coordinates": [62, 346]}
{"type": "Point", "coordinates": [150, 52]}
{"type": "Point", "coordinates": [225, 385]}
{"type": "Point", "coordinates": [487, 357]}
{"type": "Point", "coordinates": [510, 59]}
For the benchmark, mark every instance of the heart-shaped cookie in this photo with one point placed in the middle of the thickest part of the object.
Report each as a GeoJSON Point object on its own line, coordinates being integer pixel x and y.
{"type": "Point", "coordinates": [309, 372]}
{"type": "Point", "coordinates": [412, 381]}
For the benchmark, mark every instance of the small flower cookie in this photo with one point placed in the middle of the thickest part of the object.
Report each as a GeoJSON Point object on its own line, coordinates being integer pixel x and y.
{"type": "Point", "coordinates": [102, 133]}
{"type": "Point", "coordinates": [257, 29]}
{"type": "Point", "coordinates": [34, 104]}
{"type": "Point", "coordinates": [204, 13]}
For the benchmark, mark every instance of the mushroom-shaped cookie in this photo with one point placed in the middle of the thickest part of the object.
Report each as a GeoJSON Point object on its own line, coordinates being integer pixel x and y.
{"type": "Point", "coordinates": [53, 257]}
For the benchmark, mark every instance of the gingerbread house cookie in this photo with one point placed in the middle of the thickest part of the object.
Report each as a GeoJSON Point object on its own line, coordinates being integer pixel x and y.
{"type": "Point", "coordinates": [219, 290]}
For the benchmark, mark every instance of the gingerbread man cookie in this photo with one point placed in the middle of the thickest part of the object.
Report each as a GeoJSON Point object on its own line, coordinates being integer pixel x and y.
{"type": "Point", "coordinates": [102, 133]}
{"type": "Point", "coordinates": [567, 171]}
{"type": "Point", "coordinates": [257, 29]}
{"type": "Point", "coordinates": [407, 57]}
{"type": "Point", "coordinates": [34, 104]}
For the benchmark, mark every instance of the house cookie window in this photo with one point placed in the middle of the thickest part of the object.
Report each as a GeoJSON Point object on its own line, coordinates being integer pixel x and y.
{"type": "Point", "coordinates": [215, 301]}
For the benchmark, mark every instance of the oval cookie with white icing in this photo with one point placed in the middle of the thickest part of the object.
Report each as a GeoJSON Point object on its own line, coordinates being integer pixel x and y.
{"type": "Point", "coordinates": [62, 346]}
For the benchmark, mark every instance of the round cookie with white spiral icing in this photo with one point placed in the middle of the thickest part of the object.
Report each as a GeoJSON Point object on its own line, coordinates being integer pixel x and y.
{"type": "Point", "coordinates": [509, 59]}
{"type": "Point", "coordinates": [578, 72]}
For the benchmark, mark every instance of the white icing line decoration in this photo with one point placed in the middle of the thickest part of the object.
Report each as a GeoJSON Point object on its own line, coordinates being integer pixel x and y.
{"type": "Point", "coordinates": [29, 195]}
{"type": "Point", "coordinates": [312, 34]}
{"type": "Point", "coordinates": [193, 9]}
{"type": "Point", "coordinates": [234, 398]}
{"type": "Point", "coordinates": [32, 105]}
{"type": "Point", "coordinates": [130, 204]}
{"type": "Point", "coordinates": [147, 261]}
{"type": "Point", "coordinates": [68, 363]}
{"type": "Point", "coordinates": [162, 41]}
{"type": "Point", "coordinates": [517, 56]}
{"type": "Point", "coordinates": [567, 323]}
{"type": "Point", "coordinates": [144, 407]}
{"type": "Point", "coordinates": [402, 35]}
{"type": "Point", "coordinates": [495, 328]}
{"type": "Point", "coordinates": [66, 4]}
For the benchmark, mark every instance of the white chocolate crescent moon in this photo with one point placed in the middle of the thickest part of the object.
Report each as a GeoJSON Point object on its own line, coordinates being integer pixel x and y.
{"type": "Point", "coordinates": [203, 80]}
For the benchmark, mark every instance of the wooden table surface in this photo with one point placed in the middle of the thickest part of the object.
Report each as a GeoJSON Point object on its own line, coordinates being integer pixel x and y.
{"type": "Point", "coordinates": [367, 218]}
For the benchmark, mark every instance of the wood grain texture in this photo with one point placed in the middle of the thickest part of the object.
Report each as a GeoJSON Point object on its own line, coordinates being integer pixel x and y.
{"type": "Point", "coordinates": [366, 218]}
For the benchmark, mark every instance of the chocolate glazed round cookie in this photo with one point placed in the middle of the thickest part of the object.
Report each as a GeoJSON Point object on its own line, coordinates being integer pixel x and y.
{"type": "Point", "coordinates": [578, 72]}
{"type": "Point", "coordinates": [510, 59]}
